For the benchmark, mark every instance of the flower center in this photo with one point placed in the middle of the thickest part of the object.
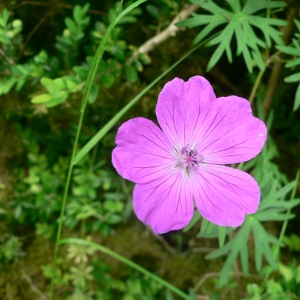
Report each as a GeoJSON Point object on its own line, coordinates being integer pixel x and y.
{"type": "Point", "coordinates": [188, 159]}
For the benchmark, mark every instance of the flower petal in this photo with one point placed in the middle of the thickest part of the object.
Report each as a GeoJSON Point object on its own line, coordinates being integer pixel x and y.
{"type": "Point", "coordinates": [224, 195]}
{"type": "Point", "coordinates": [230, 134]}
{"type": "Point", "coordinates": [165, 204]}
{"type": "Point", "coordinates": [143, 152]}
{"type": "Point", "coordinates": [179, 107]}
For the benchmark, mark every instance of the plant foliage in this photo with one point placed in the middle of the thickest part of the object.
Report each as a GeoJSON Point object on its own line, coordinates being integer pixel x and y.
{"type": "Point", "coordinates": [240, 22]}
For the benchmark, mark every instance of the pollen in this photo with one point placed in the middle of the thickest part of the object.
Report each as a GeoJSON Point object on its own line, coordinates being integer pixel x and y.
{"type": "Point", "coordinates": [188, 158]}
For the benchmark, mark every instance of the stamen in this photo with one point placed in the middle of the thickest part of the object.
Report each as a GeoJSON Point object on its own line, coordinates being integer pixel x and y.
{"type": "Point", "coordinates": [187, 159]}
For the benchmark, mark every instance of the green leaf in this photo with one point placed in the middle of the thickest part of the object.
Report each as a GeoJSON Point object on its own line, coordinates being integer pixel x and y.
{"type": "Point", "coordinates": [253, 289]}
{"type": "Point", "coordinates": [293, 78]}
{"type": "Point", "coordinates": [288, 50]}
{"type": "Point", "coordinates": [244, 254]}
{"type": "Point", "coordinates": [235, 5]}
{"type": "Point", "coordinates": [51, 86]}
{"type": "Point", "coordinates": [41, 98]}
{"type": "Point", "coordinates": [113, 206]}
{"type": "Point", "coordinates": [210, 227]}
{"type": "Point", "coordinates": [222, 250]}
{"type": "Point", "coordinates": [6, 84]}
{"type": "Point", "coordinates": [253, 6]}
{"type": "Point", "coordinates": [276, 195]}
{"type": "Point", "coordinates": [20, 83]}
{"type": "Point", "coordinates": [71, 25]}
{"type": "Point", "coordinates": [203, 225]}
{"type": "Point", "coordinates": [292, 242]}
{"type": "Point", "coordinates": [113, 219]}
{"type": "Point", "coordinates": [23, 69]}
{"type": "Point", "coordinates": [237, 22]}
{"type": "Point", "coordinates": [153, 11]}
{"type": "Point", "coordinates": [274, 289]}
{"type": "Point", "coordinates": [215, 57]}
{"type": "Point", "coordinates": [257, 248]}
{"type": "Point", "coordinates": [286, 272]}
{"type": "Point", "coordinates": [131, 73]}
{"type": "Point", "coordinates": [227, 267]}
{"type": "Point", "coordinates": [198, 20]}
{"type": "Point", "coordinates": [210, 6]}
{"type": "Point", "coordinates": [269, 255]}
{"type": "Point", "coordinates": [82, 71]}
{"type": "Point", "coordinates": [222, 235]}
{"type": "Point", "coordinates": [56, 100]}
{"type": "Point", "coordinates": [78, 14]}
{"type": "Point", "coordinates": [85, 8]}
{"type": "Point", "coordinates": [93, 93]}
{"type": "Point", "coordinates": [69, 83]}
{"type": "Point", "coordinates": [208, 29]}
{"type": "Point", "coordinates": [195, 219]}
{"type": "Point", "coordinates": [4, 17]}
{"type": "Point", "coordinates": [297, 99]}
{"type": "Point", "coordinates": [293, 63]}
{"type": "Point", "coordinates": [108, 80]}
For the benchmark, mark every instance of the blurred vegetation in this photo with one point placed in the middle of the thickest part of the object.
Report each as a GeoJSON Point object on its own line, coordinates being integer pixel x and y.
{"type": "Point", "coordinates": [46, 51]}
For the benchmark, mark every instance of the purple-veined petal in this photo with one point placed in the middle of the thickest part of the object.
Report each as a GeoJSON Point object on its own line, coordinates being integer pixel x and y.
{"type": "Point", "coordinates": [230, 134]}
{"type": "Point", "coordinates": [143, 152]}
{"type": "Point", "coordinates": [165, 204]}
{"type": "Point", "coordinates": [224, 195]}
{"type": "Point", "coordinates": [179, 107]}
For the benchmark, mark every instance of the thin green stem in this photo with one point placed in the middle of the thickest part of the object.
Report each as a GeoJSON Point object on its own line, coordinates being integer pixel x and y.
{"type": "Point", "coordinates": [127, 262]}
{"type": "Point", "coordinates": [61, 217]}
{"type": "Point", "coordinates": [255, 86]}
{"type": "Point", "coordinates": [90, 80]}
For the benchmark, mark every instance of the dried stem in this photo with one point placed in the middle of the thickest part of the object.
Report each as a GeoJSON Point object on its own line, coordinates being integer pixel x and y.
{"type": "Point", "coordinates": [9, 60]}
{"type": "Point", "coordinates": [237, 272]}
{"type": "Point", "coordinates": [238, 278]}
{"type": "Point", "coordinates": [217, 274]}
{"type": "Point", "coordinates": [36, 27]}
{"type": "Point", "coordinates": [204, 278]}
{"type": "Point", "coordinates": [162, 241]}
{"type": "Point", "coordinates": [171, 30]}
{"type": "Point", "coordinates": [275, 76]}
{"type": "Point", "coordinates": [33, 286]}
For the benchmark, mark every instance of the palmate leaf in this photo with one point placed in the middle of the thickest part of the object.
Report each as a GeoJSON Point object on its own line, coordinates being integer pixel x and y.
{"type": "Point", "coordinates": [293, 50]}
{"type": "Point", "coordinates": [239, 23]}
{"type": "Point", "coordinates": [273, 207]}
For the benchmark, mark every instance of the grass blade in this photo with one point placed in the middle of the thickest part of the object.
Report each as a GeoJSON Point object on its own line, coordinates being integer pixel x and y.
{"type": "Point", "coordinates": [127, 262]}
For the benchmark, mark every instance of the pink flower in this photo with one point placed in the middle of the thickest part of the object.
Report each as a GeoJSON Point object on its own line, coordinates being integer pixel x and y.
{"type": "Point", "coordinates": [181, 163]}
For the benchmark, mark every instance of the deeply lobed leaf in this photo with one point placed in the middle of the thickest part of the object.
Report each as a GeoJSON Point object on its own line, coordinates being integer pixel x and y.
{"type": "Point", "coordinates": [239, 22]}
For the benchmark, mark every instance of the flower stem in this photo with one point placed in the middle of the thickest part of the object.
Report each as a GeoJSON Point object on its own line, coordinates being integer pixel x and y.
{"type": "Point", "coordinates": [256, 85]}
